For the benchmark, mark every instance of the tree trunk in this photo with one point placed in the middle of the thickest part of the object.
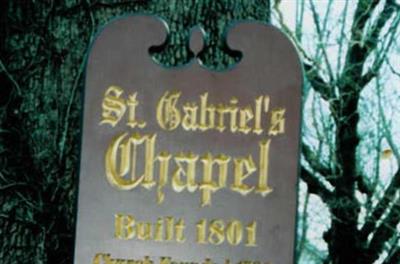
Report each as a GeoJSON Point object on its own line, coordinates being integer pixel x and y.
{"type": "Point", "coordinates": [343, 235]}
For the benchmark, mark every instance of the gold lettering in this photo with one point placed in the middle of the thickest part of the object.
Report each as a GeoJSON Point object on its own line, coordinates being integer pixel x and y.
{"type": "Point", "coordinates": [277, 122]}
{"type": "Point", "coordinates": [148, 179]}
{"type": "Point", "coordinates": [168, 116]}
{"type": "Point", "coordinates": [144, 231]}
{"type": "Point", "coordinates": [128, 161]}
{"type": "Point", "coordinates": [201, 232]}
{"type": "Point", "coordinates": [233, 110]}
{"type": "Point", "coordinates": [132, 104]}
{"type": "Point", "coordinates": [159, 230]}
{"type": "Point", "coordinates": [189, 121]}
{"type": "Point", "coordinates": [179, 231]}
{"type": "Point", "coordinates": [203, 116]}
{"type": "Point", "coordinates": [165, 260]}
{"type": "Point", "coordinates": [208, 186]}
{"type": "Point", "coordinates": [147, 260]}
{"type": "Point", "coordinates": [258, 112]}
{"type": "Point", "coordinates": [177, 183]}
{"type": "Point", "coordinates": [244, 167]}
{"type": "Point", "coordinates": [234, 232]}
{"type": "Point", "coordinates": [106, 259]}
{"type": "Point", "coordinates": [251, 234]}
{"type": "Point", "coordinates": [96, 259]}
{"type": "Point", "coordinates": [208, 261]}
{"type": "Point", "coordinates": [115, 177]}
{"type": "Point", "coordinates": [204, 112]}
{"type": "Point", "coordinates": [222, 110]}
{"type": "Point", "coordinates": [123, 171]}
{"type": "Point", "coordinates": [101, 258]}
{"type": "Point", "coordinates": [163, 158]}
{"type": "Point", "coordinates": [166, 229]}
{"type": "Point", "coordinates": [124, 227]}
{"type": "Point", "coordinates": [217, 232]}
{"type": "Point", "coordinates": [263, 188]}
{"type": "Point", "coordinates": [113, 106]}
{"type": "Point", "coordinates": [169, 234]}
{"type": "Point", "coordinates": [246, 115]}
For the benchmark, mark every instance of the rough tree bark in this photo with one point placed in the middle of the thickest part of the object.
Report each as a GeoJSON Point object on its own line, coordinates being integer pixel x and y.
{"type": "Point", "coordinates": [43, 46]}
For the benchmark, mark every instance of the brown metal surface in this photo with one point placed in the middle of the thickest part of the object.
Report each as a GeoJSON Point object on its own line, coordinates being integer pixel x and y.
{"type": "Point", "coordinates": [270, 66]}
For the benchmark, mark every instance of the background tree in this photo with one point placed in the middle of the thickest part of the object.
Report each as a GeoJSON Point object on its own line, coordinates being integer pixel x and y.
{"type": "Point", "coordinates": [351, 106]}
{"type": "Point", "coordinates": [43, 47]}
{"type": "Point", "coordinates": [348, 68]}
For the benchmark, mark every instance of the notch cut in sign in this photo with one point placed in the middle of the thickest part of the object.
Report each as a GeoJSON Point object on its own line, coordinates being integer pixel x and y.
{"type": "Point", "coordinates": [197, 48]}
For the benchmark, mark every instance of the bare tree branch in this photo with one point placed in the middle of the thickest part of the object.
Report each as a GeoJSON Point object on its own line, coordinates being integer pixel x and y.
{"type": "Point", "coordinates": [385, 231]}
{"type": "Point", "coordinates": [342, 37]}
{"type": "Point", "coordinates": [394, 257]}
{"type": "Point", "coordinates": [392, 69]}
{"type": "Point", "coordinates": [357, 52]}
{"type": "Point", "coordinates": [311, 68]}
{"type": "Point", "coordinates": [320, 33]}
{"type": "Point", "coordinates": [372, 38]}
{"type": "Point", "coordinates": [315, 186]}
{"type": "Point", "coordinates": [394, 185]}
{"type": "Point", "coordinates": [312, 159]}
{"type": "Point", "coordinates": [317, 82]}
{"type": "Point", "coordinates": [13, 185]}
{"type": "Point", "coordinates": [364, 186]}
{"type": "Point", "coordinates": [12, 79]}
{"type": "Point", "coordinates": [381, 55]}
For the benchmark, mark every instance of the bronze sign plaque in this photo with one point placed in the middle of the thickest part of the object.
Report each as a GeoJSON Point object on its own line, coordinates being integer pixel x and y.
{"type": "Point", "coordinates": [187, 164]}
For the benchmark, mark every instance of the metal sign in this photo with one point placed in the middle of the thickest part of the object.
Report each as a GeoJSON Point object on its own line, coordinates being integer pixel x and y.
{"type": "Point", "coordinates": [188, 165]}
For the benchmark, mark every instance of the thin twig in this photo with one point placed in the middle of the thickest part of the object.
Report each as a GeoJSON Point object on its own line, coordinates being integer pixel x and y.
{"type": "Point", "coordinates": [16, 85]}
